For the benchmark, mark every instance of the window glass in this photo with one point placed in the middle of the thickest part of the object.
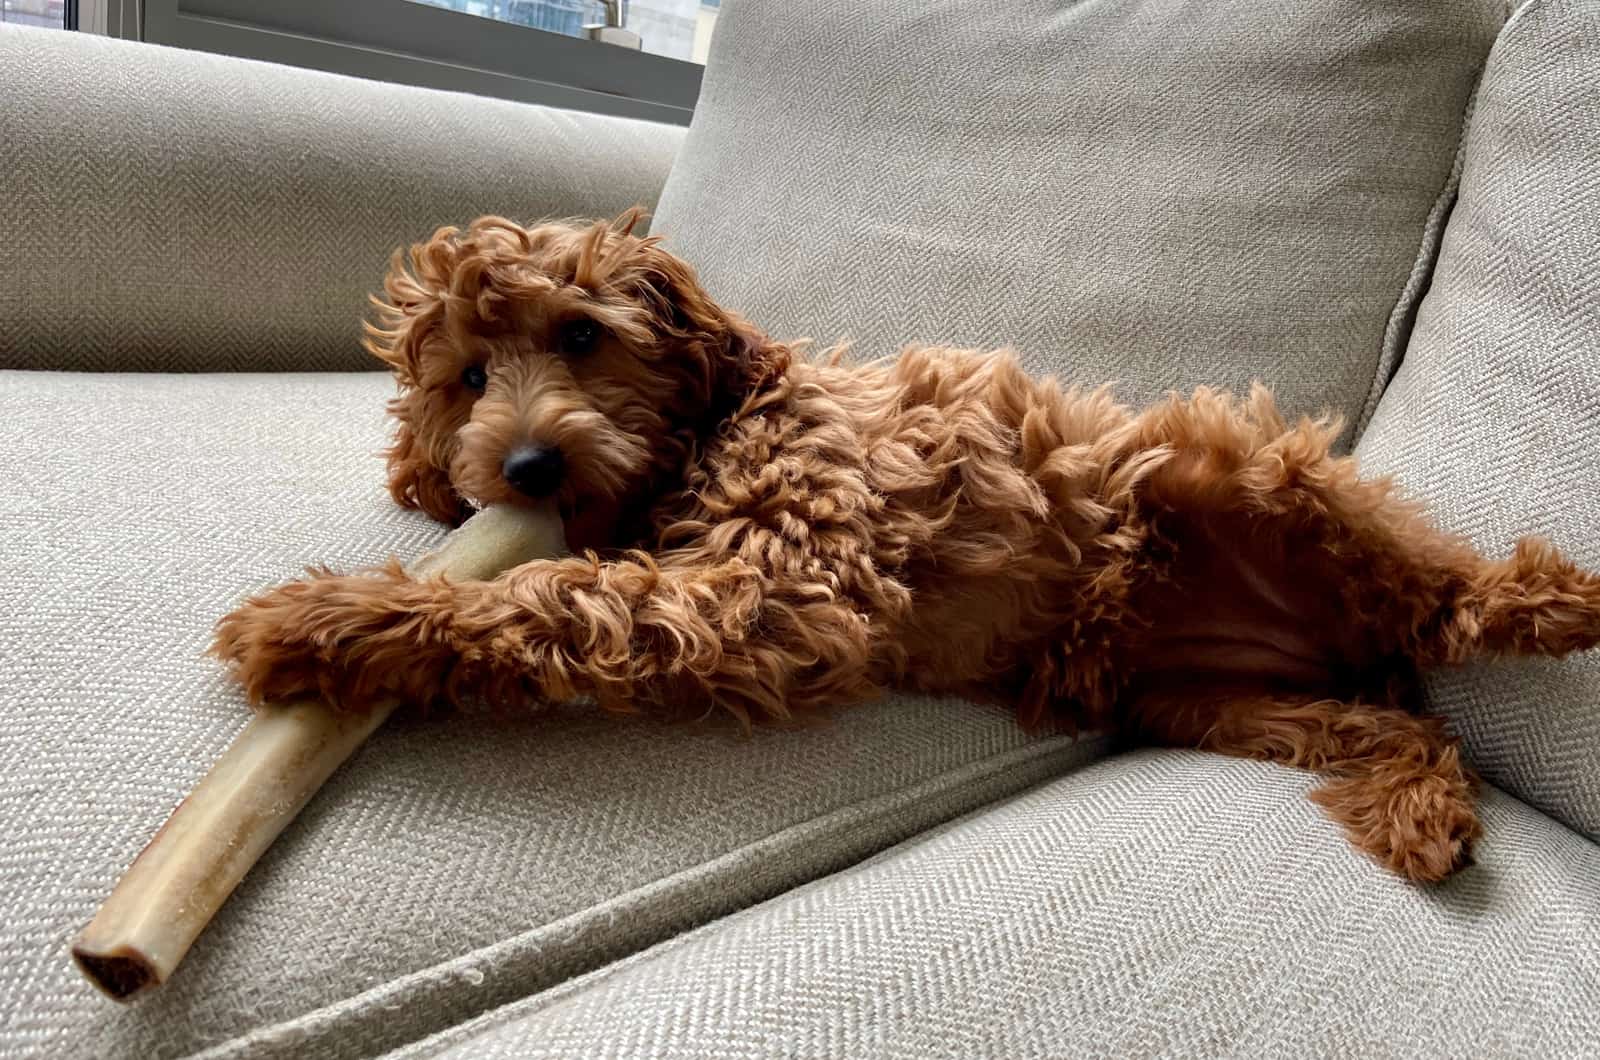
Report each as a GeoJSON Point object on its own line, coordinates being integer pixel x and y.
{"type": "Point", "coordinates": [49, 13]}
{"type": "Point", "coordinates": [678, 29]}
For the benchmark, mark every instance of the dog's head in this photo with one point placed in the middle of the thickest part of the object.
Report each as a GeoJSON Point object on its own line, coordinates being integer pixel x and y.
{"type": "Point", "coordinates": [575, 361]}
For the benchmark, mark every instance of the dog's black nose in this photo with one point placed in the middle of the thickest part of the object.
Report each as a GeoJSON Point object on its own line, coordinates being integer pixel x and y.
{"type": "Point", "coordinates": [534, 469]}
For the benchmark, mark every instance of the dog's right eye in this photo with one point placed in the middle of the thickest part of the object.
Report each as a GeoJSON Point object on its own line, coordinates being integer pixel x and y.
{"type": "Point", "coordinates": [475, 377]}
{"type": "Point", "coordinates": [578, 337]}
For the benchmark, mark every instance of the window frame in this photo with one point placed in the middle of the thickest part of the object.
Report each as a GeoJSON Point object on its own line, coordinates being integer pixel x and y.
{"type": "Point", "coordinates": [108, 18]}
{"type": "Point", "coordinates": [418, 44]}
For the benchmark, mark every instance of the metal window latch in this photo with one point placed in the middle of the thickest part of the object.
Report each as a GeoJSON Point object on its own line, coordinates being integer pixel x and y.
{"type": "Point", "coordinates": [612, 31]}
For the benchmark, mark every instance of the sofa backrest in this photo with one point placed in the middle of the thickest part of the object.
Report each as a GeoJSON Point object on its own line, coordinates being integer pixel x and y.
{"type": "Point", "coordinates": [1156, 192]}
{"type": "Point", "coordinates": [175, 210]}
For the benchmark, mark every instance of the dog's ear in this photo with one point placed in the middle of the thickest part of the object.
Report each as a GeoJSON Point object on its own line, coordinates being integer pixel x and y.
{"type": "Point", "coordinates": [721, 357]}
{"type": "Point", "coordinates": [410, 314]}
{"type": "Point", "coordinates": [411, 310]}
{"type": "Point", "coordinates": [416, 482]}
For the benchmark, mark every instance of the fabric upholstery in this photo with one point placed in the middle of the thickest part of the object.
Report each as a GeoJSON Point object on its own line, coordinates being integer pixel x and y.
{"type": "Point", "coordinates": [455, 864]}
{"type": "Point", "coordinates": [1494, 417]}
{"type": "Point", "coordinates": [1148, 191]}
{"type": "Point", "coordinates": [174, 210]}
{"type": "Point", "coordinates": [1154, 192]}
{"type": "Point", "coordinates": [1159, 904]}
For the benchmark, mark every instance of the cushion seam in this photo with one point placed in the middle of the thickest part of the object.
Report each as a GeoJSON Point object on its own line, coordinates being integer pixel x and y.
{"type": "Point", "coordinates": [533, 1004]}
{"type": "Point", "coordinates": [1402, 318]}
{"type": "Point", "coordinates": [541, 1000]}
{"type": "Point", "coordinates": [1397, 329]}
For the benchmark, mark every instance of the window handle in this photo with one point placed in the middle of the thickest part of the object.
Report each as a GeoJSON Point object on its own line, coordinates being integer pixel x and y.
{"type": "Point", "coordinates": [613, 29]}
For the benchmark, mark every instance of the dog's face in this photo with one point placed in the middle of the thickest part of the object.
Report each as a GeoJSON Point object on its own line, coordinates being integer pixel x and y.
{"type": "Point", "coordinates": [579, 362]}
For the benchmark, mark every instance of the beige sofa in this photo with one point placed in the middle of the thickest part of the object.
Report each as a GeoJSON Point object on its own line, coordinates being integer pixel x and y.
{"type": "Point", "coordinates": [1391, 210]}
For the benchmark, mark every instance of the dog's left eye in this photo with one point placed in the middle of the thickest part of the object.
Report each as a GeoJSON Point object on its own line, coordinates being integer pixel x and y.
{"type": "Point", "coordinates": [579, 336]}
{"type": "Point", "coordinates": [475, 377]}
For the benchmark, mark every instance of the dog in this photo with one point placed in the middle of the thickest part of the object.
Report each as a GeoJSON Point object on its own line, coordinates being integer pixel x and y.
{"type": "Point", "coordinates": [774, 534]}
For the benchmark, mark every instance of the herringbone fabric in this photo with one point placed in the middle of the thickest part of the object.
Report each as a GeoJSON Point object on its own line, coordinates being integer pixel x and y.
{"type": "Point", "coordinates": [1162, 904]}
{"type": "Point", "coordinates": [453, 866]}
{"type": "Point", "coordinates": [1154, 192]}
{"type": "Point", "coordinates": [1494, 417]}
{"type": "Point", "coordinates": [173, 210]}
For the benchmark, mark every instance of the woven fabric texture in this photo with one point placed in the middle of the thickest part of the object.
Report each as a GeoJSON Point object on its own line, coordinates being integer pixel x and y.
{"type": "Point", "coordinates": [455, 865]}
{"type": "Point", "coordinates": [175, 210]}
{"type": "Point", "coordinates": [1494, 417]}
{"type": "Point", "coordinates": [1160, 904]}
{"type": "Point", "coordinates": [1151, 192]}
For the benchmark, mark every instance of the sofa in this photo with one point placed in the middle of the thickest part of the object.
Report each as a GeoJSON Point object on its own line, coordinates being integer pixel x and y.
{"type": "Point", "coordinates": [1390, 211]}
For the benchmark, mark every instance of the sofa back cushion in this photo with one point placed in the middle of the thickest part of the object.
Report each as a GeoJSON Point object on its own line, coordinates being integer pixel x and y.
{"type": "Point", "coordinates": [179, 211]}
{"type": "Point", "coordinates": [1494, 417]}
{"type": "Point", "coordinates": [1155, 192]}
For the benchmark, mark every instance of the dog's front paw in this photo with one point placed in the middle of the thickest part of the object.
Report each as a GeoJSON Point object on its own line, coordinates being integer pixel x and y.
{"type": "Point", "coordinates": [347, 639]}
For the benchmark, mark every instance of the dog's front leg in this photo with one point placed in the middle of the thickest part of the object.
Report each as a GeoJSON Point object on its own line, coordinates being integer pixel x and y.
{"type": "Point", "coordinates": [631, 633]}
{"type": "Point", "coordinates": [350, 639]}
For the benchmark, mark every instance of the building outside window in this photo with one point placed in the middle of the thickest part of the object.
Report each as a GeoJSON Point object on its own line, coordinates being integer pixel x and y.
{"type": "Point", "coordinates": [50, 14]}
{"type": "Point", "coordinates": [678, 29]}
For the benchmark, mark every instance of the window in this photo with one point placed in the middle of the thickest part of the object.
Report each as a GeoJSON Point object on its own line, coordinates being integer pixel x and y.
{"type": "Point", "coordinates": [678, 29]}
{"type": "Point", "coordinates": [51, 14]}
{"type": "Point", "coordinates": [535, 51]}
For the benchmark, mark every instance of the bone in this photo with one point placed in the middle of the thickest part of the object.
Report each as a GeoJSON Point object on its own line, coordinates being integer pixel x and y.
{"type": "Point", "coordinates": [272, 769]}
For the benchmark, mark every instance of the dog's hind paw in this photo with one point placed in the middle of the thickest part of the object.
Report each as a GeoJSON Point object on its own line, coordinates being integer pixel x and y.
{"type": "Point", "coordinates": [1420, 827]}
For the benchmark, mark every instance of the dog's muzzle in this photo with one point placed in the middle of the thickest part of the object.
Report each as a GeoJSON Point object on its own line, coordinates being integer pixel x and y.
{"type": "Point", "coordinates": [534, 470]}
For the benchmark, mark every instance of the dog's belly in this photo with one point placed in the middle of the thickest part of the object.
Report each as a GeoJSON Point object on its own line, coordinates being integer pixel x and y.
{"type": "Point", "coordinates": [1223, 613]}
{"type": "Point", "coordinates": [1238, 648]}
{"type": "Point", "coordinates": [1248, 608]}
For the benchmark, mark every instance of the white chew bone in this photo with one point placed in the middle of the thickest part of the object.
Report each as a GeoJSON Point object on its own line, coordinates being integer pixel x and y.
{"type": "Point", "coordinates": [268, 774]}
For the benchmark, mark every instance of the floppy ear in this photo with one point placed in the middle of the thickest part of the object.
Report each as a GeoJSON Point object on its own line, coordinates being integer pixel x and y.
{"type": "Point", "coordinates": [411, 313]}
{"type": "Point", "coordinates": [725, 356]}
{"type": "Point", "coordinates": [412, 306]}
{"type": "Point", "coordinates": [415, 482]}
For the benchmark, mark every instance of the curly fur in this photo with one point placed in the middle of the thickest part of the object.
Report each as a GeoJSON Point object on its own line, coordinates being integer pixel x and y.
{"type": "Point", "coordinates": [773, 535]}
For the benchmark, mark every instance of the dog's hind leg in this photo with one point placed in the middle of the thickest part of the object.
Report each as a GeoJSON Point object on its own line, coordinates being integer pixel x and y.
{"type": "Point", "coordinates": [1311, 548]}
{"type": "Point", "coordinates": [1395, 782]}
{"type": "Point", "coordinates": [1536, 602]}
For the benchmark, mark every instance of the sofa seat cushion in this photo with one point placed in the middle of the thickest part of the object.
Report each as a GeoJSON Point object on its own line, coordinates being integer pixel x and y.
{"type": "Point", "coordinates": [1153, 904]}
{"type": "Point", "coordinates": [455, 864]}
{"type": "Point", "coordinates": [1494, 417]}
{"type": "Point", "coordinates": [1158, 193]}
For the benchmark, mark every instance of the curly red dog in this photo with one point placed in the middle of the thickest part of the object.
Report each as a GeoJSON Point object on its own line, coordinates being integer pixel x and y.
{"type": "Point", "coordinates": [773, 535]}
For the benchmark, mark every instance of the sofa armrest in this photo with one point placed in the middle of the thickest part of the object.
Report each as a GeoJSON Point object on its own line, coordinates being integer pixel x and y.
{"type": "Point", "coordinates": [179, 211]}
{"type": "Point", "coordinates": [1494, 416]}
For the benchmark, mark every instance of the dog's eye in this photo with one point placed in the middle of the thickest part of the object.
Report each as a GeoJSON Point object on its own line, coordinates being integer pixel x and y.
{"type": "Point", "coordinates": [475, 377]}
{"type": "Point", "coordinates": [579, 336]}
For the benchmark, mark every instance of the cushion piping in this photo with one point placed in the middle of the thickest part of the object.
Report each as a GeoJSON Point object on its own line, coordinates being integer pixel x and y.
{"type": "Point", "coordinates": [452, 1038]}
{"type": "Point", "coordinates": [492, 976]}
{"type": "Point", "coordinates": [1402, 318]}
